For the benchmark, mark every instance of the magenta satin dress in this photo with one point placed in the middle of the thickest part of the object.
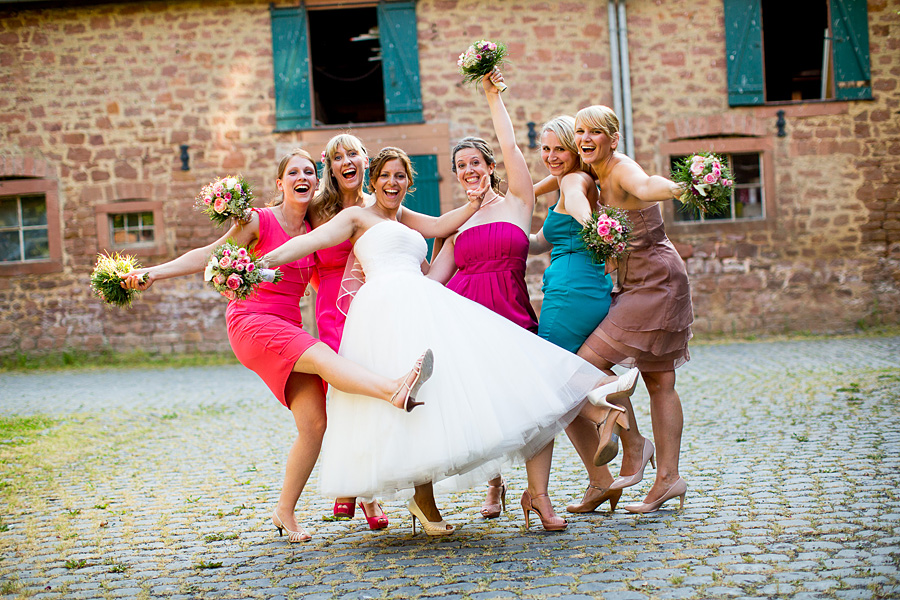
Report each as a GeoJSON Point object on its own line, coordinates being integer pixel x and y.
{"type": "Point", "coordinates": [266, 330]}
{"type": "Point", "coordinates": [491, 271]}
{"type": "Point", "coordinates": [330, 263]}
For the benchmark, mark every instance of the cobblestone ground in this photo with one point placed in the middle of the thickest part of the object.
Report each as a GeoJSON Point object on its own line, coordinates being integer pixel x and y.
{"type": "Point", "coordinates": [164, 481]}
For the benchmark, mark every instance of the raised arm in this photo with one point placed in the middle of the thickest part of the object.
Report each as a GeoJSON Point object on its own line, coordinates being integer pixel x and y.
{"type": "Point", "coordinates": [633, 179]}
{"type": "Point", "coordinates": [520, 185]}
{"type": "Point", "coordinates": [340, 228]}
{"type": "Point", "coordinates": [546, 185]}
{"type": "Point", "coordinates": [193, 261]}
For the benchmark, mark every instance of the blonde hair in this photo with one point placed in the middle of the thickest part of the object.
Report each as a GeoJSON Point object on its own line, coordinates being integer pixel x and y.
{"type": "Point", "coordinates": [282, 166]}
{"type": "Point", "coordinates": [476, 143]}
{"type": "Point", "coordinates": [327, 202]}
{"type": "Point", "coordinates": [563, 127]}
{"type": "Point", "coordinates": [599, 117]}
{"type": "Point", "coordinates": [389, 153]}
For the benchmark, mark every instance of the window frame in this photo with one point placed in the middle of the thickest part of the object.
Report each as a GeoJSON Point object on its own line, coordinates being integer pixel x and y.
{"type": "Point", "coordinates": [294, 106]}
{"type": "Point", "coordinates": [103, 212]}
{"type": "Point", "coordinates": [740, 145]}
{"type": "Point", "coordinates": [49, 188]}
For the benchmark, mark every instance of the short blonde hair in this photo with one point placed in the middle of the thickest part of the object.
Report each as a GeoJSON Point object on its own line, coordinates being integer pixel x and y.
{"type": "Point", "coordinates": [599, 117]}
{"type": "Point", "coordinates": [563, 127]}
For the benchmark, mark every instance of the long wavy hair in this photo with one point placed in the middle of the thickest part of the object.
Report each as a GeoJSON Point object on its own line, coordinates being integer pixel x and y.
{"type": "Point", "coordinates": [390, 153]}
{"type": "Point", "coordinates": [327, 202]}
{"type": "Point", "coordinates": [563, 127]}
{"type": "Point", "coordinates": [476, 143]}
{"type": "Point", "coordinates": [282, 166]}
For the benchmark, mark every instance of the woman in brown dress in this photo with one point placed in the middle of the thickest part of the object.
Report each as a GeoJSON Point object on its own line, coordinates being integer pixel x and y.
{"type": "Point", "coordinates": [649, 320]}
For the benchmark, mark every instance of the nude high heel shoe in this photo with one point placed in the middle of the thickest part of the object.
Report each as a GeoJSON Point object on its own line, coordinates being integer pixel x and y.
{"type": "Point", "coordinates": [420, 373]}
{"type": "Point", "coordinates": [431, 527]}
{"type": "Point", "coordinates": [594, 496]}
{"type": "Point", "coordinates": [646, 456]}
{"type": "Point", "coordinates": [549, 523]}
{"type": "Point", "coordinates": [293, 536]}
{"type": "Point", "coordinates": [623, 387]}
{"type": "Point", "coordinates": [490, 510]}
{"type": "Point", "coordinates": [678, 489]}
{"type": "Point", "coordinates": [609, 430]}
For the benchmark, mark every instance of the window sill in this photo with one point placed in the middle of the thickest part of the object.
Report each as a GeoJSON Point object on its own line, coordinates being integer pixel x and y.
{"type": "Point", "coordinates": [30, 268]}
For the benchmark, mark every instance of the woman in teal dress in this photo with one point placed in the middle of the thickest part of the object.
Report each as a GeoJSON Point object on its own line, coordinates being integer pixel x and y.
{"type": "Point", "coordinates": [576, 290]}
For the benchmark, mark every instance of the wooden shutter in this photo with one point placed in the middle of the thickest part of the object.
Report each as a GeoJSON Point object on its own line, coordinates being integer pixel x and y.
{"type": "Point", "coordinates": [400, 62]}
{"type": "Point", "coordinates": [743, 46]}
{"type": "Point", "coordinates": [290, 58]}
{"type": "Point", "coordinates": [427, 197]}
{"type": "Point", "coordinates": [850, 39]}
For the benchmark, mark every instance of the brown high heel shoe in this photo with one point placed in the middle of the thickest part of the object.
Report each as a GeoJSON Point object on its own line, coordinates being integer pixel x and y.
{"type": "Point", "coordinates": [550, 524]}
{"type": "Point", "coordinates": [590, 504]}
{"type": "Point", "coordinates": [492, 510]}
{"type": "Point", "coordinates": [609, 430]}
{"type": "Point", "coordinates": [420, 373]}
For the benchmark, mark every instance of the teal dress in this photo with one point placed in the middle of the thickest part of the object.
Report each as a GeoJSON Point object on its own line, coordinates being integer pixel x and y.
{"type": "Point", "coordinates": [576, 289]}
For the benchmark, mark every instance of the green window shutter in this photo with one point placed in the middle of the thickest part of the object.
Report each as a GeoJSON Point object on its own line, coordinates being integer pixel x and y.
{"type": "Point", "coordinates": [290, 58]}
{"type": "Point", "coordinates": [743, 48]}
{"type": "Point", "coordinates": [850, 38]}
{"type": "Point", "coordinates": [400, 62]}
{"type": "Point", "coordinates": [427, 197]}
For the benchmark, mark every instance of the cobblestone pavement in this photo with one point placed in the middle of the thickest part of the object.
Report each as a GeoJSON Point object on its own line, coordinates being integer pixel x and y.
{"type": "Point", "coordinates": [165, 480]}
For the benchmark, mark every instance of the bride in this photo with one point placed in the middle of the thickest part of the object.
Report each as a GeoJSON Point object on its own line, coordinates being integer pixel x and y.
{"type": "Point", "coordinates": [498, 393]}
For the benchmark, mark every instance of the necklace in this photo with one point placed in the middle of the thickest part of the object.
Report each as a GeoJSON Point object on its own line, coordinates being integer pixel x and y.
{"type": "Point", "coordinates": [493, 199]}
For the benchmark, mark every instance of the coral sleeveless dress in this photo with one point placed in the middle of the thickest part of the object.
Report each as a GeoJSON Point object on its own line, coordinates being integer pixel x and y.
{"type": "Point", "coordinates": [649, 321]}
{"type": "Point", "coordinates": [330, 264]}
{"type": "Point", "coordinates": [265, 330]}
{"type": "Point", "coordinates": [491, 262]}
{"type": "Point", "coordinates": [576, 289]}
{"type": "Point", "coordinates": [498, 392]}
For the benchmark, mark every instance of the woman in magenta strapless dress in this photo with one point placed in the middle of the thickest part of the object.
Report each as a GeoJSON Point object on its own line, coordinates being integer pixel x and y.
{"type": "Point", "coordinates": [345, 161]}
{"type": "Point", "coordinates": [485, 262]}
{"type": "Point", "coordinates": [266, 331]}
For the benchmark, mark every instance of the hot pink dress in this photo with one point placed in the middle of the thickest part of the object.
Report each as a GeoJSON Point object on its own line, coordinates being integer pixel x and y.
{"type": "Point", "coordinates": [491, 262]}
{"type": "Point", "coordinates": [330, 263]}
{"type": "Point", "coordinates": [265, 330]}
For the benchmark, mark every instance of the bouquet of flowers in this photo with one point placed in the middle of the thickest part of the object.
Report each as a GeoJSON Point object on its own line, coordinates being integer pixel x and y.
{"type": "Point", "coordinates": [605, 234]}
{"type": "Point", "coordinates": [109, 273]}
{"type": "Point", "coordinates": [226, 198]}
{"type": "Point", "coordinates": [236, 273]}
{"type": "Point", "coordinates": [708, 183]}
{"type": "Point", "coordinates": [480, 59]}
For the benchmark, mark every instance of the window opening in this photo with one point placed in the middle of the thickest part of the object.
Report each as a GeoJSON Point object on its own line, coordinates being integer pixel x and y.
{"type": "Point", "coordinates": [131, 229]}
{"type": "Point", "coordinates": [797, 50]}
{"type": "Point", "coordinates": [23, 228]}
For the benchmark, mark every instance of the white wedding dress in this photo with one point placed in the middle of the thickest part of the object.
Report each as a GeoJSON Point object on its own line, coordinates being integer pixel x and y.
{"type": "Point", "coordinates": [499, 393]}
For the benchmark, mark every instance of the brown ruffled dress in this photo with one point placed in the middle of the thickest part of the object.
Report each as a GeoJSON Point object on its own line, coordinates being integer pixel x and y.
{"type": "Point", "coordinates": [649, 320]}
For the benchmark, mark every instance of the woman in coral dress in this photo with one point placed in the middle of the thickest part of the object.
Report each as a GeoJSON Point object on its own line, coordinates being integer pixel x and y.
{"type": "Point", "coordinates": [498, 393]}
{"type": "Point", "coordinates": [345, 160]}
{"type": "Point", "coordinates": [266, 331]}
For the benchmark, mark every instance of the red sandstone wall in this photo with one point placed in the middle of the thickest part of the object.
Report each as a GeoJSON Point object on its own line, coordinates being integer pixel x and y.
{"type": "Point", "coordinates": [105, 95]}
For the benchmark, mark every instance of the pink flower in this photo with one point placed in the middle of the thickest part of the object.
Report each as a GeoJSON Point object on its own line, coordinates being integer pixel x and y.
{"type": "Point", "coordinates": [251, 267]}
{"type": "Point", "coordinates": [207, 200]}
{"type": "Point", "coordinates": [478, 57]}
{"type": "Point", "coordinates": [227, 195]}
{"type": "Point", "coordinates": [218, 189]}
{"type": "Point", "coordinates": [602, 229]}
{"type": "Point", "coordinates": [220, 205]}
{"type": "Point", "coordinates": [218, 280]}
{"type": "Point", "coordinates": [238, 189]}
{"type": "Point", "coordinates": [242, 252]}
{"type": "Point", "coordinates": [618, 228]}
{"type": "Point", "coordinates": [696, 158]}
{"type": "Point", "coordinates": [710, 178]}
{"type": "Point", "coordinates": [228, 294]}
{"type": "Point", "coordinates": [226, 252]}
{"type": "Point", "coordinates": [727, 182]}
{"type": "Point", "coordinates": [238, 266]}
{"type": "Point", "coordinates": [225, 262]}
{"type": "Point", "coordinates": [608, 239]}
{"type": "Point", "coordinates": [620, 246]}
{"type": "Point", "coordinates": [697, 168]}
{"type": "Point", "coordinates": [234, 281]}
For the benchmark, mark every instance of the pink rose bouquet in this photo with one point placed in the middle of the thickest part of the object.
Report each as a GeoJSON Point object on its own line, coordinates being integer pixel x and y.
{"type": "Point", "coordinates": [707, 183]}
{"type": "Point", "coordinates": [108, 274]}
{"type": "Point", "coordinates": [605, 234]}
{"type": "Point", "coordinates": [236, 273]}
{"type": "Point", "coordinates": [480, 59]}
{"type": "Point", "coordinates": [226, 198]}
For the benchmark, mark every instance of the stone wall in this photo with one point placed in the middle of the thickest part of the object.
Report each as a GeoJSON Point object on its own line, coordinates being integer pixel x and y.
{"type": "Point", "coordinates": [104, 95]}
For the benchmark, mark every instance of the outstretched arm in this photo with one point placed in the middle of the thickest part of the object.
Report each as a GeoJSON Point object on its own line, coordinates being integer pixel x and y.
{"type": "Point", "coordinates": [444, 225]}
{"type": "Point", "coordinates": [192, 261]}
{"type": "Point", "coordinates": [340, 228]}
{"type": "Point", "coordinates": [633, 179]}
{"type": "Point", "coordinates": [520, 184]}
{"type": "Point", "coordinates": [546, 185]}
{"type": "Point", "coordinates": [574, 192]}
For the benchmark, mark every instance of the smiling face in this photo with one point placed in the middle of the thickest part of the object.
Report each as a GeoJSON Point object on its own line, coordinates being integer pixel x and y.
{"type": "Point", "coordinates": [558, 159]}
{"type": "Point", "coordinates": [471, 166]}
{"type": "Point", "coordinates": [348, 166]}
{"type": "Point", "coordinates": [596, 133]}
{"type": "Point", "coordinates": [298, 181]}
{"type": "Point", "coordinates": [391, 184]}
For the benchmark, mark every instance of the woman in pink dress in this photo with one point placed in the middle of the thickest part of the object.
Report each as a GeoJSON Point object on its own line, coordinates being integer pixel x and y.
{"type": "Point", "coordinates": [486, 260]}
{"type": "Point", "coordinates": [345, 161]}
{"type": "Point", "coordinates": [266, 332]}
